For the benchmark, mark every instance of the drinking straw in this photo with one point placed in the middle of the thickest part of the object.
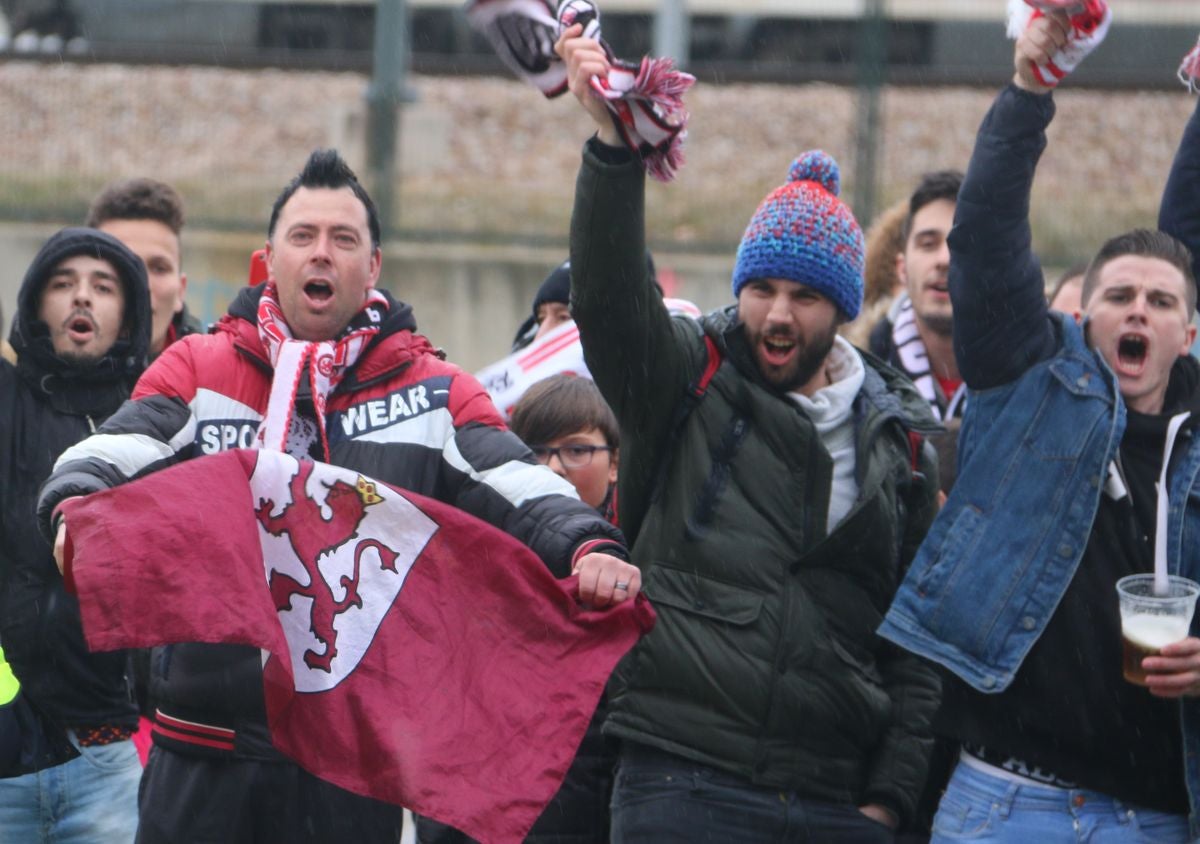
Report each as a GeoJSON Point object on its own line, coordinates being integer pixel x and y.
{"type": "Point", "coordinates": [1161, 583]}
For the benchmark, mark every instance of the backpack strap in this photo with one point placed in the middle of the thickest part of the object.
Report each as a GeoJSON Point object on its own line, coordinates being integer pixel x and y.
{"type": "Point", "coordinates": [916, 443]}
{"type": "Point", "coordinates": [699, 387]}
{"type": "Point", "coordinates": [696, 390]}
{"type": "Point", "coordinates": [691, 398]}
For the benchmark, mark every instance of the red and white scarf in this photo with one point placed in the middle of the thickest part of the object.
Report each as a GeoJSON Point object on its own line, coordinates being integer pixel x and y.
{"type": "Point", "coordinates": [1189, 69]}
{"type": "Point", "coordinates": [1089, 21]}
{"type": "Point", "coordinates": [645, 99]}
{"type": "Point", "coordinates": [324, 362]}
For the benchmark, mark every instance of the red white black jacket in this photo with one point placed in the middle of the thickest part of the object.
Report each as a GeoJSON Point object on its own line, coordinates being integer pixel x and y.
{"type": "Point", "coordinates": [401, 415]}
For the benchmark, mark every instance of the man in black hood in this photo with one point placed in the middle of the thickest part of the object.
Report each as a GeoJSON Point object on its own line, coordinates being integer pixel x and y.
{"type": "Point", "coordinates": [82, 335]}
{"type": "Point", "coordinates": [551, 307]}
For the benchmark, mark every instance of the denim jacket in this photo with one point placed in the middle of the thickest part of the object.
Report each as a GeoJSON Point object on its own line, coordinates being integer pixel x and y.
{"type": "Point", "coordinates": [1043, 423]}
{"type": "Point", "coordinates": [1033, 458]}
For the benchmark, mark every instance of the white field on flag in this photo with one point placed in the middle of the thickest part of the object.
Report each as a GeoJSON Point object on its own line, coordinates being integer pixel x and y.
{"type": "Point", "coordinates": [457, 678]}
{"type": "Point", "coordinates": [331, 594]}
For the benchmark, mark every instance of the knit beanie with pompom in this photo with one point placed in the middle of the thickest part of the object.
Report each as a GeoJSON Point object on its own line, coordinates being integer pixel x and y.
{"type": "Point", "coordinates": [802, 232]}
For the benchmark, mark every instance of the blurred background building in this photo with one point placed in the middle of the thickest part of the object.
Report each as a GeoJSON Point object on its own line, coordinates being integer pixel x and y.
{"type": "Point", "coordinates": [225, 98]}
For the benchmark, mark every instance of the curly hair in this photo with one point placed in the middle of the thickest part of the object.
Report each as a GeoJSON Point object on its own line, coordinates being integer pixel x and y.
{"type": "Point", "coordinates": [137, 199]}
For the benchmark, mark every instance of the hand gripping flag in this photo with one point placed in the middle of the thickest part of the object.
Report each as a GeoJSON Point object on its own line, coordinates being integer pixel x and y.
{"type": "Point", "coordinates": [1089, 21]}
{"type": "Point", "coordinates": [644, 99]}
{"type": "Point", "coordinates": [413, 653]}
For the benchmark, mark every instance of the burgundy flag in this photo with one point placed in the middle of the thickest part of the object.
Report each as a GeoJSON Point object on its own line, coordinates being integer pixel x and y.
{"type": "Point", "coordinates": [413, 653]}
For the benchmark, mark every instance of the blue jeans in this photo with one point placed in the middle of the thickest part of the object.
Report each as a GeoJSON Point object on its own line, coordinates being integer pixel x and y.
{"type": "Point", "coordinates": [92, 798]}
{"type": "Point", "coordinates": [984, 807]}
{"type": "Point", "coordinates": [660, 797]}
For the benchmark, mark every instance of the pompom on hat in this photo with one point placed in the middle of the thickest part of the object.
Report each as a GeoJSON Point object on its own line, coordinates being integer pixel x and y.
{"type": "Point", "coordinates": [802, 232]}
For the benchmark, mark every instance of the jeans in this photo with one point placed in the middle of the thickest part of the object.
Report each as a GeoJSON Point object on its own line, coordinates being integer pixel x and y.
{"type": "Point", "coordinates": [660, 797]}
{"type": "Point", "coordinates": [984, 807]}
{"type": "Point", "coordinates": [92, 798]}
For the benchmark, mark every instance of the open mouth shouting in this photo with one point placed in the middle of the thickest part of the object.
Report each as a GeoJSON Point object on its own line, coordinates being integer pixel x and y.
{"type": "Point", "coordinates": [318, 291]}
{"type": "Point", "coordinates": [80, 327]}
{"type": "Point", "coordinates": [778, 349]}
{"type": "Point", "coordinates": [1133, 350]}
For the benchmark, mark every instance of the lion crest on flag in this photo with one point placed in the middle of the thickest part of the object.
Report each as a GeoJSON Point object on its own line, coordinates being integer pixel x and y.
{"type": "Point", "coordinates": [333, 567]}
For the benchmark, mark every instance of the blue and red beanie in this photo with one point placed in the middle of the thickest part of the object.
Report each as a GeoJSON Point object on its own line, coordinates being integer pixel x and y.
{"type": "Point", "coordinates": [803, 232]}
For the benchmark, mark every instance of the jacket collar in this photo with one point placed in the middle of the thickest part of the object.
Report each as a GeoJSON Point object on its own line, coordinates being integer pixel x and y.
{"type": "Point", "coordinates": [395, 346]}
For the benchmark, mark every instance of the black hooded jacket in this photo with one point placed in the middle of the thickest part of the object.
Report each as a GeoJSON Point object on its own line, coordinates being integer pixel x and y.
{"type": "Point", "coordinates": [48, 405]}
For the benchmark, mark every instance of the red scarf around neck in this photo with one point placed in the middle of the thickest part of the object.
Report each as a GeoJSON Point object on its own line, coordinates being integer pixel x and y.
{"type": "Point", "coordinates": [325, 362]}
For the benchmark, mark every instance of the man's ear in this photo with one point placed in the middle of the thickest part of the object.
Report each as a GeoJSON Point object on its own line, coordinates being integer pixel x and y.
{"type": "Point", "coordinates": [376, 266]}
{"type": "Point", "coordinates": [901, 270]}
{"type": "Point", "coordinates": [182, 292]}
{"type": "Point", "coordinates": [1191, 339]}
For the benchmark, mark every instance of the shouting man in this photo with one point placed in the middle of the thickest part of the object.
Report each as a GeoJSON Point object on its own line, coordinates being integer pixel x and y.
{"type": "Point", "coordinates": [213, 774]}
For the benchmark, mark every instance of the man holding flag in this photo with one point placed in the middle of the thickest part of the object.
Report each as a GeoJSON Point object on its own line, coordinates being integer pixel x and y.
{"type": "Point", "coordinates": [318, 364]}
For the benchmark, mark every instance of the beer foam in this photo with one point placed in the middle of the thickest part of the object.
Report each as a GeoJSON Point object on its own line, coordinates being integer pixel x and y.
{"type": "Point", "coordinates": [1154, 631]}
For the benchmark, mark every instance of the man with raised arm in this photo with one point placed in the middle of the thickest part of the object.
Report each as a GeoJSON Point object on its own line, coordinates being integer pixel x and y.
{"type": "Point", "coordinates": [1179, 213]}
{"type": "Point", "coordinates": [775, 483]}
{"type": "Point", "coordinates": [1065, 437]}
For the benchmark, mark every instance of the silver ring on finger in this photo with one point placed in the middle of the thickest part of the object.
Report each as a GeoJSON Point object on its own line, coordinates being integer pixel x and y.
{"type": "Point", "coordinates": [623, 585]}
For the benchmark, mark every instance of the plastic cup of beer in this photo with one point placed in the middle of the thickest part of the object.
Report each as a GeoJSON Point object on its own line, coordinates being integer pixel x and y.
{"type": "Point", "coordinates": [1150, 621]}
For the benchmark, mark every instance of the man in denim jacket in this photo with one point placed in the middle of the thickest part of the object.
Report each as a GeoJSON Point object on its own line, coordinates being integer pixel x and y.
{"type": "Point", "coordinates": [1062, 446]}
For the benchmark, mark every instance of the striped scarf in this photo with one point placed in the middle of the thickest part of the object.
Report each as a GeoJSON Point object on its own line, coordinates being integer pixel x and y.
{"type": "Point", "coordinates": [324, 363]}
{"type": "Point", "coordinates": [1189, 69]}
{"type": "Point", "coordinates": [1089, 21]}
{"type": "Point", "coordinates": [644, 99]}
{"type": "Point", "coordinates": [909, 350]}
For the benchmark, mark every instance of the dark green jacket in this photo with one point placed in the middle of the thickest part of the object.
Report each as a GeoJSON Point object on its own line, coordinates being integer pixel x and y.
{"type": "Point", "coordinates": [764, 661]}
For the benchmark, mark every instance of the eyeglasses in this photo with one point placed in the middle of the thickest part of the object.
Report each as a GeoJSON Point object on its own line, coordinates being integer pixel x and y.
{"type": "Point", "coordinates": [570, 456]}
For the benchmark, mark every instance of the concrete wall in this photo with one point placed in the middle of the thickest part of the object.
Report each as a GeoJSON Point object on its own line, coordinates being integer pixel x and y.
{"type": "Point", "coordinates": [468, 298]}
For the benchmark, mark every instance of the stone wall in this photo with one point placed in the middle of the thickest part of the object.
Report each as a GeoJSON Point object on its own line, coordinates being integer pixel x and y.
{"type": "Point", "coordinates": [488, 167]}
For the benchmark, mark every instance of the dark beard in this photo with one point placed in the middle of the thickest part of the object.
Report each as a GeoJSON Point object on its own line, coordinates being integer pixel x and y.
{"type": "Point", "coordinates": [81, 360]}
{"type": "Point", "coordinates": [810, 357]}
